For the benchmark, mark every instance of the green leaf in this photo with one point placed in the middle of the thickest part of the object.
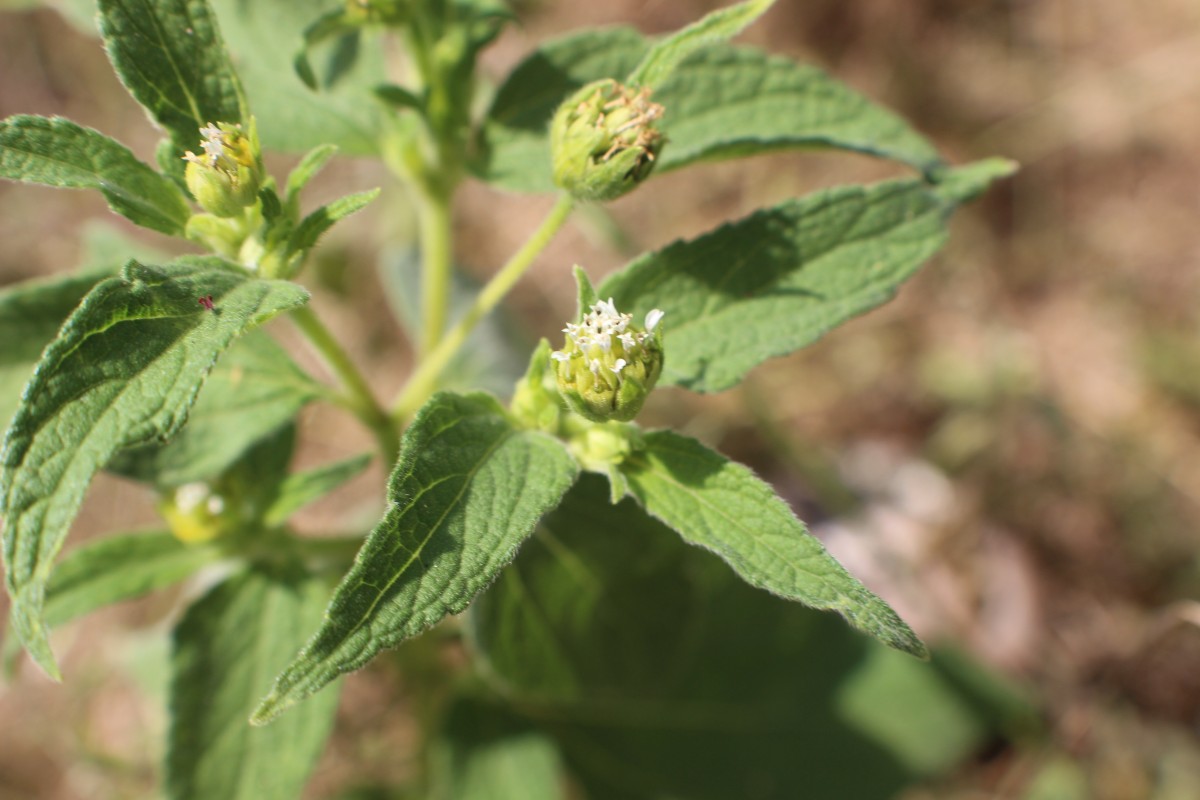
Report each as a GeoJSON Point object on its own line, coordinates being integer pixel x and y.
{"type": "Point", "coordinates": [242, 631]}
{"type": "Point", "coordinates": [301, 488]}
{"type": "Point", "coordinates": [57, 152]}
{"type": "Point", "coordinates": [721, 102]}
{"type": "Point", "coordinates": [252, 391]}
{"type": "Point", "coordinates": [30, 315]}
{"type": "Point", "coordinates": [312, 163]}
{"type": "Point", "coordinates": [125, 368]}
{"type": "Point", "coordinates": [120, 568]}
{"type": "Point", "coordinates": [170, 56]}
{"type": "Point", "coordinates": [312, 227]}
{"type": "Point", "coordinates": [585, 293]}
{"type": "Point", "coordinates": [661, 674]}
{"type": "Point", "coordinates": [715, 27]}
{"type": "Point", "coordinates": [782, 277]}
{"type": "Point", "coordinates": [263, 36]}
{"type": "Point", "coordinates": [731, 102]}
{"type": "Point", "coordinates": [467, 490]}
{"type": "Point", "coordinates": [485, 752]}
{"type": "Point", "coordinates": [721, 506]}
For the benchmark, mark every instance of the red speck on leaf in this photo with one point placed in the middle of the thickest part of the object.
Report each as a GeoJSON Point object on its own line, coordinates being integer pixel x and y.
{"type": "Point", "coordinates": [207, 302]}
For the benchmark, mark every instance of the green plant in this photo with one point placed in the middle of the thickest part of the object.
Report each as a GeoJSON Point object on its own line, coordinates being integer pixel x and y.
{"type": "Point", "coordinates": [156, 374]}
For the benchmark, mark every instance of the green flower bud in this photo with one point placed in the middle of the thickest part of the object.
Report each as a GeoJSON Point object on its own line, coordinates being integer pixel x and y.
{"type": "Point", "coordinates": [604, 141]}
{"type": "Point", "coordinates": [226, 179]}
{"type": "Point", "coordinates": [608, 365]}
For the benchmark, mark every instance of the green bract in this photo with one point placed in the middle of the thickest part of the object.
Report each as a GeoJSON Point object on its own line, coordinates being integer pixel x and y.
{"type": "Point", "coordinates": [604, 140]}
{"type": "Point", "coordinates": [226, 179]}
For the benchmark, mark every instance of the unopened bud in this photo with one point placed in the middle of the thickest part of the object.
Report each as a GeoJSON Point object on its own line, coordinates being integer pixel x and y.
{"type": "Point", "coordinates": [226, 178]}
{"type": "Point", "coordinates": [195, 513]}
{"type": "Point", "coordinates": [609, 365]}
{"type": "Point", "coordinates": [604, 140]}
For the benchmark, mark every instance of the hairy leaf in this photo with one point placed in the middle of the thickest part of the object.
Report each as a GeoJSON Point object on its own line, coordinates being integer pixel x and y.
{"type": "Point", "coordinates": [120, 568]}
{"type": "Point", "coordinates": [721, 506]}
{"type": "Point", "coordinates": [125, 368]}
{"type": "Point", "coordinates": [57, 152]}
{"type": "Point", "coordinates": [718, 26]}
{"type": "Point", "coordinates": [312, 227]}
{"type": "Point", "coordinates": [301, 488]}
{"type": "Point", "coordinates": [30, 315]}
{"type": "Point", "coordinates": [170, 56]}
{"type": "Point", "coordinates": [782, 277]}
{"type": "Point", "coordinates": [720, 102]}
{"type": "Point", "coordinates": [468, 489]}
{"type": "Point", "coordinates": [252, 391]}
{"type": "Point", "coordinates": [225, 646]}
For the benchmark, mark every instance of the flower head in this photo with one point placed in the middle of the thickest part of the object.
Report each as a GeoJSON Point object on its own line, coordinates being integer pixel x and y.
{"type": "Point", "coordinates": [604, 140]}
{"type": "Point", "coordinates": [226, 178]}
{"type": "Point", "coordinates": [608, 364]}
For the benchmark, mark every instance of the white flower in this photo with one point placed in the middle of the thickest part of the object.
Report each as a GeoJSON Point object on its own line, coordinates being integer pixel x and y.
{"type": "Point", "coordinates": [653, 318]}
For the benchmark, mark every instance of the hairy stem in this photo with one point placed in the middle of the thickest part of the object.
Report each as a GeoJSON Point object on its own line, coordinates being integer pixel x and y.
{"type": "Point", "coordinates": [422, 382]}
{"type": "Point", "coordinates": [436, 267]}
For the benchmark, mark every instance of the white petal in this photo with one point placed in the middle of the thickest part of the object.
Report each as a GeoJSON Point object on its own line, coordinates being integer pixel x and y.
{"type": "Point", "coordinates": [559, 355]}
{"type": "Point", "coordinates": [617, 367]}
{"type": "Point", "coordinates": [653, 318]}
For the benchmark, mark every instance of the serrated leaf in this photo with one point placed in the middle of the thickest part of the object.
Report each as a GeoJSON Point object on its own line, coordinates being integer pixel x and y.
{"type": "Point", "coordinates": [56, 152]}
{"type": "Point", "coordinates": [301, 488]}
{"type": "Point", "coordinates": [661, 674]}
{"type": "Point", "coordinates": [782, 277]}
{"type": "Point", "coordinates": [253, 390]}
{"type": "Point", "coordinates": [312, 227]}
{"type": "Point", "coordinates": [467, 490]}
{"type": "Point", "coordinates": [721, 102]}
{"type": "Point", "coordinates": [721, 506]}
{"type": "Point", "coordinates": [170, 56]}
{"type": "Point", "coordinates": [125, 368]}
{"type": "Point", "coordinates": [665, 55]}
{"type": "Point", "coordinates": [119, 568]}
{"type": "Point", "coordinates": [486, 752]}
{"type": "Point", "coordinates": [225, 645]}
{"type": "Point", "coordinates": [30, 315]}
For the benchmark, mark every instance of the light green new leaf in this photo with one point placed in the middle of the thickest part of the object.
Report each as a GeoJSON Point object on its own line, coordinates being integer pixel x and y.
{"type": "Point", "coordinates": [468, 489]}
{"type": "Point", "coordinates": [720, 102]}
{"type": "Point", "coordinates": [312, 163]}
{"type": "Point", "coordinates": [721, 506]}
{"type": "Point", "coordinates": [312, 227]}
{"type": "Point", "coordinates": [30, 315]}
{"type": "Point", "coordinates": [57, 152]}
{"type": "Point", "coordinates": [252, 391]}
{"type": "Point", "coordinates": [225, 646]}
{"type": "Point", "coordinates": [301, 488]}
{"type": "Point", "coordinates": [486, 752]}
{"type": "Point", "coordinates": [170, 56]}
{"type": "Point", "coordinates": [782, 277]}
{"type": "Point", "coordinates": [120, 568]}
{"type": "Point", "coordinates": [716, 27]}
{"type": "Point", "coordinates": [125, 368]}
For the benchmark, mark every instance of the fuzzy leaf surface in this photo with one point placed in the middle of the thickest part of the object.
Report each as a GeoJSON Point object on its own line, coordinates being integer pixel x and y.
{"type": "Point", "coordinates": [724, 23]}
{"type": "Point", "coordinates": [120, 568]}
{"type": "Point", "coordinates": [722, 101]}
{"type": "Point", "coordinates": [466, 492]}
{"type": "Point", "coordinates": [30, 315]}
{"type": "Point", "coordinates": [170, 56]}
{"type": "Point", "coordinates": [52, 151]}
{"type": "Point", "coordinates": [252, 391]}
{"type": "Point", "coordinates": [312, 227]}
{"type": "Point", "coordinates": [227, 644]}
{"type": "Point", "coordinates": [721, 506]}
{"type": "Point", "coordinates": [779, 279]}
{"type": "Point", "coordinates": [125, 368]}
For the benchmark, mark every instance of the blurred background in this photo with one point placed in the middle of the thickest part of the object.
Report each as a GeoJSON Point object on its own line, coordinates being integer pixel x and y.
{"type": "Point", "coordinates": [1006, 452]}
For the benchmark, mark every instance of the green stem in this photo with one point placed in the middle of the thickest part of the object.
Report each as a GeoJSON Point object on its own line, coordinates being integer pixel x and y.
{"type": "Point", "coordinates": [422, 382]}
{"type": "Point", "coordinates": [436, 266]}
{"type": "Point", "coordinates": [358, 396]}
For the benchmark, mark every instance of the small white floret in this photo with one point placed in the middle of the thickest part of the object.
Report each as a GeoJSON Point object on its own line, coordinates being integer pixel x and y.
{"type": "Point", "coordinates": [653, 318]}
